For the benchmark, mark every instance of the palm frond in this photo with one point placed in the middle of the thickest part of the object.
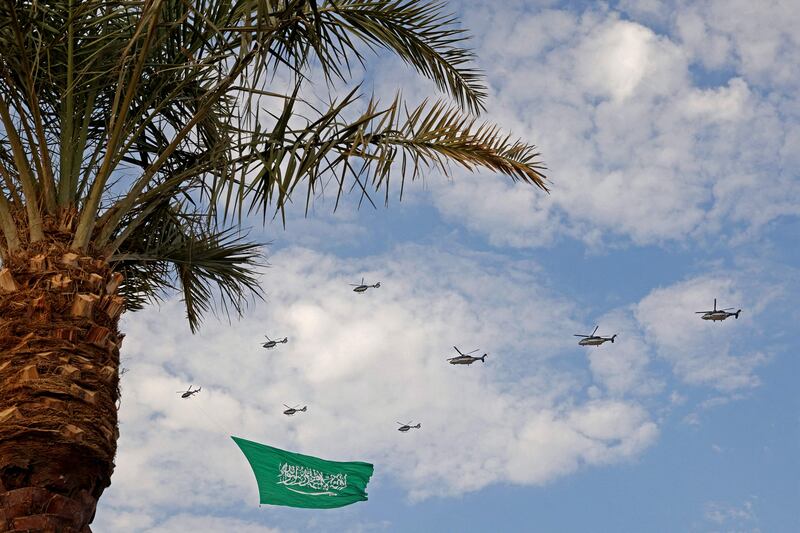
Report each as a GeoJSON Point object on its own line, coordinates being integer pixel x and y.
{"type": "Point", "coordinates": [377, 144]}
{"type": "Point", "coordinates": [178, 250]}
{"type": "Point", "coordinates": [421, 33]}
{"type": "Point", "coordinates": [146, 116]}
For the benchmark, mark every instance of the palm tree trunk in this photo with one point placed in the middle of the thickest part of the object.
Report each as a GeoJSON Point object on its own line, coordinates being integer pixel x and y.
{"type": "Point", "coordinates": [59, 379]}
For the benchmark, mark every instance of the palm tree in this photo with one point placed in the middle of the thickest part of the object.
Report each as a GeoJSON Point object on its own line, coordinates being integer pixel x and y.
{"type": "Point", "coordinates": [135, 138]}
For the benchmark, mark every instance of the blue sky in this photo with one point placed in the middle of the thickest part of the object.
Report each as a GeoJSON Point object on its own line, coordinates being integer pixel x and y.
{"type": "Point", "coordinates": [671, 131]}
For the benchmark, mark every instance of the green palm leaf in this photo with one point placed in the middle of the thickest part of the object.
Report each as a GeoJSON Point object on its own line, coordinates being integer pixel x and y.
{"type": "Point", "coordinates": [145, 122]}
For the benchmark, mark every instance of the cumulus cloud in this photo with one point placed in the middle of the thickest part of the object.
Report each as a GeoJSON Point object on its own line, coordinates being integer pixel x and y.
{"type": "Point", "coordinates": [536, 411]}
{"type": "Point", "coordinates": [757, 40]}
{"type": "Point", "coordinates": [208, 524]}
{"type": "Point", "coordinates": [361, 362]}
{"type": "Point", "coordinates": [623, 369]}
{"type": "Point", "coordinates": [702, 352]}
{"type": "Point", "coordinates": [642, 141]}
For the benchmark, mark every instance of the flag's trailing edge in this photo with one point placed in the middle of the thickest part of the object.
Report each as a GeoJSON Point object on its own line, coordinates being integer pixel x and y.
{"type": "Point", "coordinates": [296, 480]}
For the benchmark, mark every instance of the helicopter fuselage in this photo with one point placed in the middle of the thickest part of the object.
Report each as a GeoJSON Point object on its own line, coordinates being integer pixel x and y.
{"type": "Point", "coordinates": [464, 360]}
{"type": "Point", "coordinates": [593, 341]}
{"type": "Point", "coordinates": [189, 392]}
{"type": "Point", "coordinates": [271, 344]}
{"type": "Point", "coordinates": [719, 315]}
{"type": "Point", "coordinates": [361, 288]}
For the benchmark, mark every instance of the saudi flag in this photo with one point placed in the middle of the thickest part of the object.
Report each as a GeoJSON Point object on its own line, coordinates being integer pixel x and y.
{"type": "Point", "coordinates": [296, 480]}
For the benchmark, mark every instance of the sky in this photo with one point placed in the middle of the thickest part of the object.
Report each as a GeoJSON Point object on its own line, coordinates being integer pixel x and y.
{"type": "Point", "coordinates": [671, 133]}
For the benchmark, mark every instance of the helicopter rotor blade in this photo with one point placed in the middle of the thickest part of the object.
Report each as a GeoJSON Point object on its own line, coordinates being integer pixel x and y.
{"type": "Point", "coordinates": [584, 336]}
{"type": "Point", "coordinates": [473, 351]}
{"type": "Point", "coordinates": [715, 304]}
{"type": "Point", "coordinates": [595, 330]}
{"type": "Point", "coordinates": [726, 309]}
{"type": "Point", "coordinates": [459, 351]}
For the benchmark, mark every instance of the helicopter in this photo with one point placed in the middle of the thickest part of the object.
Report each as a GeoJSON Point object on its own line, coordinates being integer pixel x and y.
{"type": "Point", "coordinates": [292, 410]}
{"type": "Point", "coordinates": [363, 287]}
{"type": "Point", "coordinates": [188, 392]}
{"type": "Point", "coordinates": [594, 340]}
{"type": "Point", "coordinates": [466, 359]}
{"type": "Point", "coordinates": [718, 314]}
{"type": "Point", "coordinates": [271, 343]}
{"type": "Point", "coordinates": [405, 427]}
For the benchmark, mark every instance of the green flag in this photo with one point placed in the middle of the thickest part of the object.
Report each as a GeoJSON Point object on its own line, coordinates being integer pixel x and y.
{"type": "Point", "coordinates": [296, 480]}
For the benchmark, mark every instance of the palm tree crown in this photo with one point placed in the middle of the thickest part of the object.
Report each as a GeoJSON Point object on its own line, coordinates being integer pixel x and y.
{"type": "Point", "coordinates": [141, 132]}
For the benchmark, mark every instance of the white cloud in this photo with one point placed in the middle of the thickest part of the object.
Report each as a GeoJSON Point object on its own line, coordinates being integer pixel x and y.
{"type": "Point", "coordinates": [758, 40]}
{"type": "Point", "coordinates": [619, 58]}
{"type": "Point", "coordinates": [702, 352]}
{"type": "Point", "coordinates": [638, 144]}
{"type": "Point", "coordinates": [719, 104]}
{"type": "Point", "coordinates": [623, 367]}
{"type": "Point", "coordinates": [362, 362]}
{"type": "Point", "coordinates": [732, 517]}
{"type": "Point", "coordinates": [535, 411]}
{"type": "Point", "coordinates": [208, 524]}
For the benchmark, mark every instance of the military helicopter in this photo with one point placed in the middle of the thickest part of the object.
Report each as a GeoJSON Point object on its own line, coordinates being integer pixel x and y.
{"type": "Point", "coordinates": [466, 359]}
{"type": "Point", "coordinates": [292, 410]}
{"type": "Point", "coordinates": [718, 314]}
{"type": "Point", "coordinates": [188, 392]}
{"type": "Point", "coordinates": [405, 427]}
{"type": "Point", "coordinates": [594, 340]}
{"type": "Point", "coordinates": [362, 287]}
{"type": "Point", "coordinates": [271, 343]}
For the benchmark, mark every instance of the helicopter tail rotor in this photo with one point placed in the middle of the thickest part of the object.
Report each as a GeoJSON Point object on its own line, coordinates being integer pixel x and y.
{"type": "Point", "coordinates": [736, 314]}
{"type": "Point", "coordinates": [377, 285]}
{"type": "Point", "coordinates": [483, 358]}
{"type": "Point", "coordinates": [614, 336]}
{"type": "Point", "coordinates": [418, 426]}
{"type": "Point", "coordinates": [304, 409]}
